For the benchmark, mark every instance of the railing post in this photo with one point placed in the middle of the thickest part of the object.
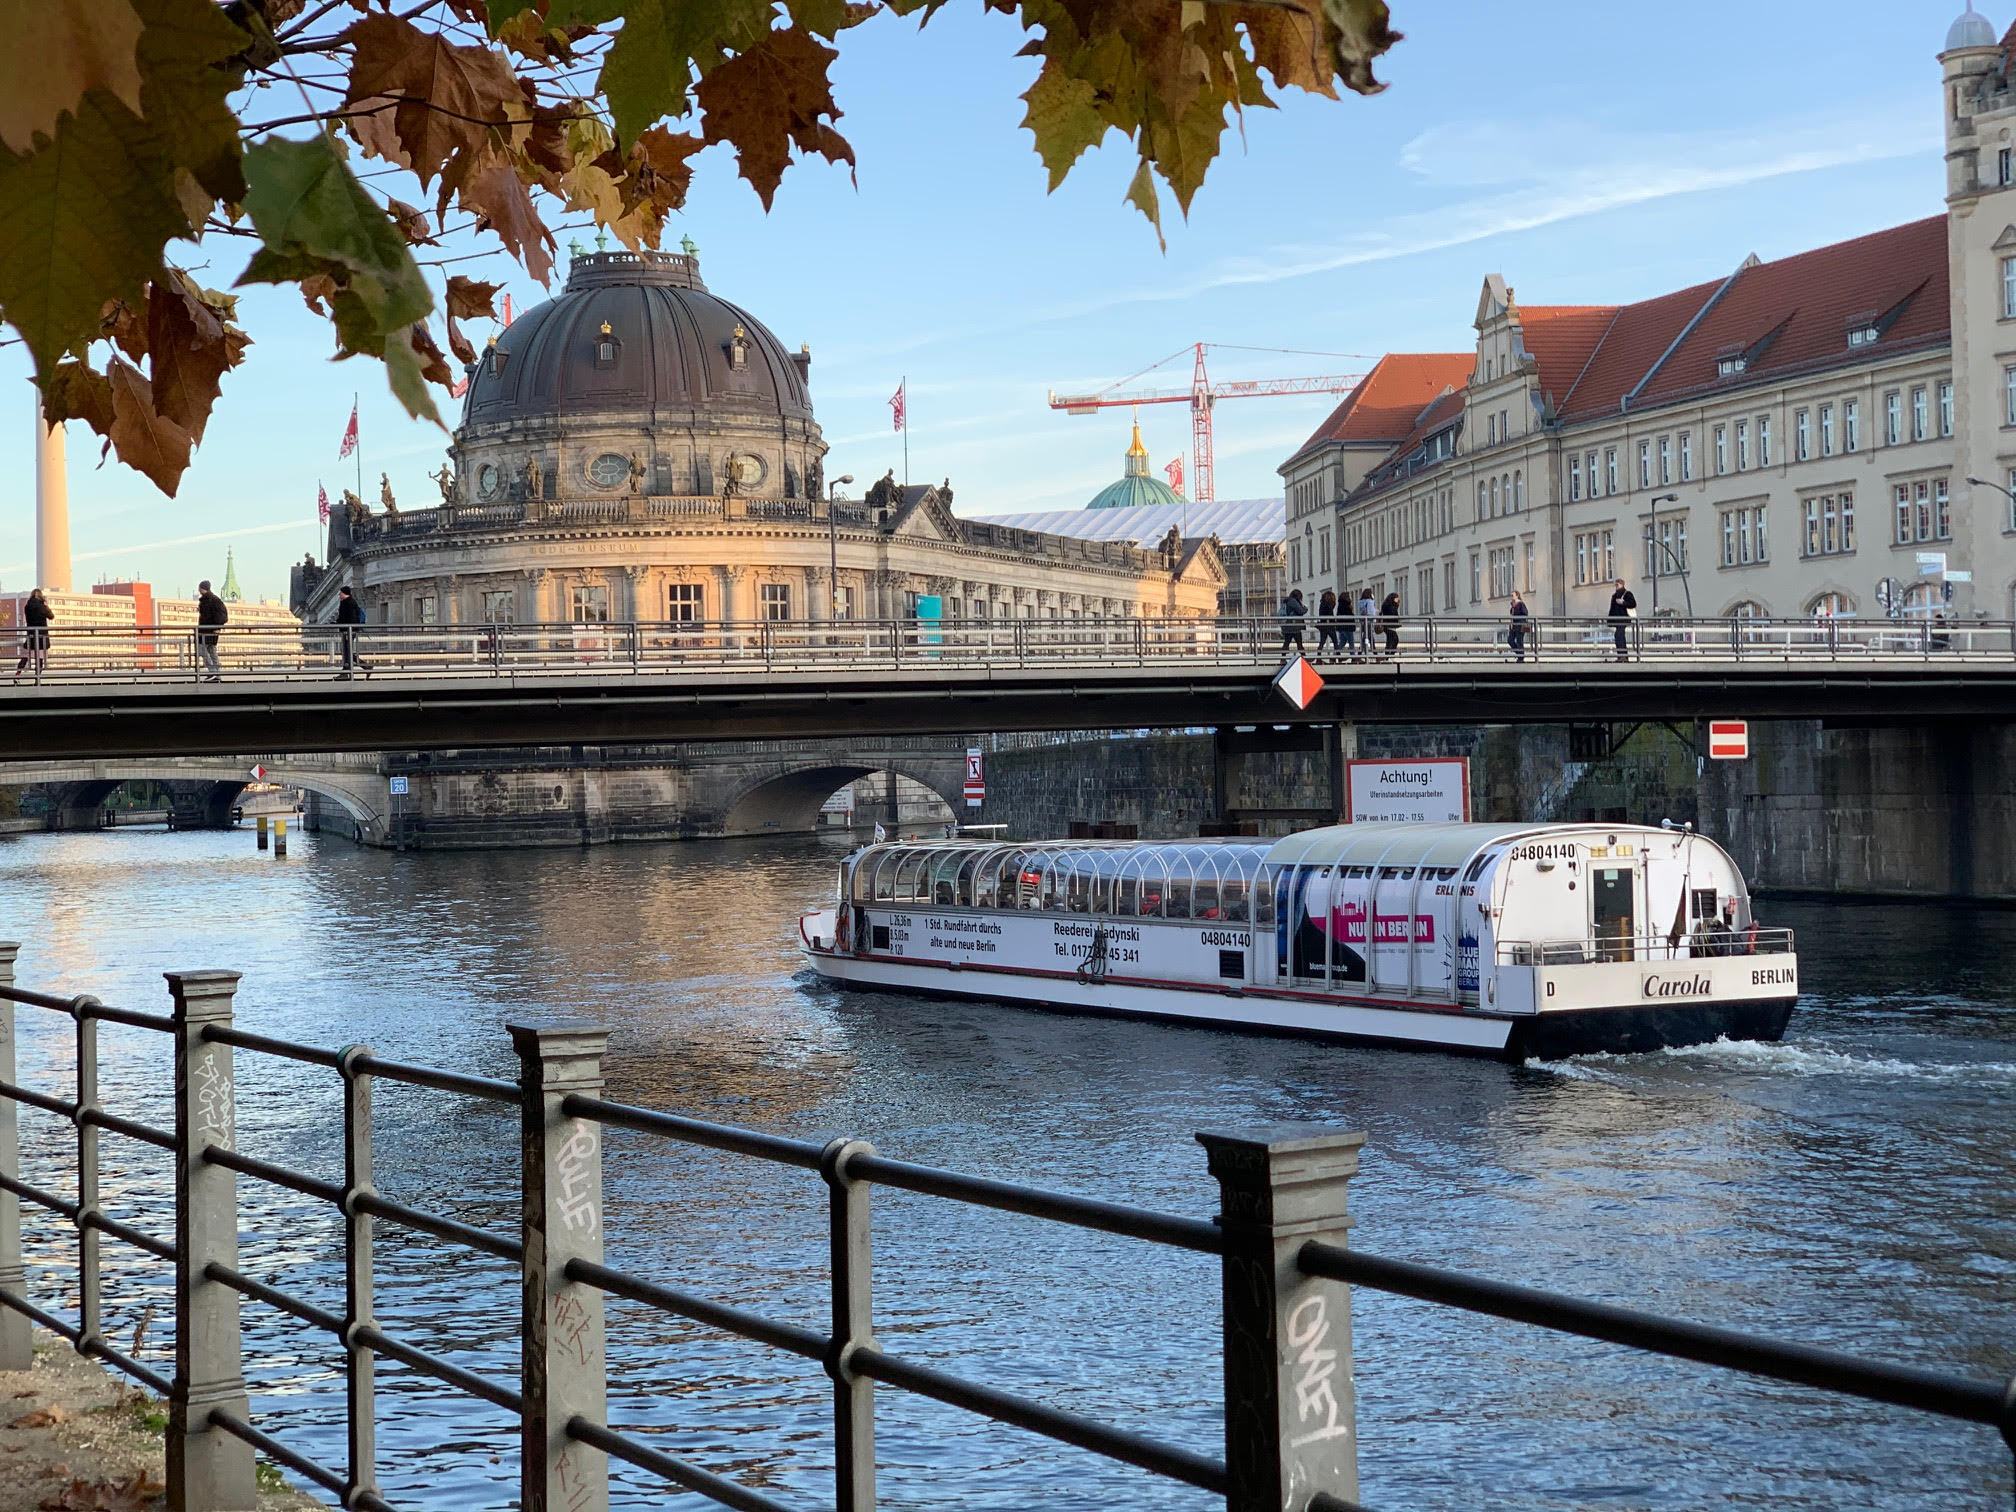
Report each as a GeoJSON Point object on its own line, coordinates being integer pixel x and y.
{"type": "Point", "coordinates": [17, 1342]}
{"type": "Point", "coordinates": [1290, 1409]}
{"type": "Point", "coordinates": [358, 1310]}
{"type": "Point", "coordinates": [561, 1221]}
{"type": "Point", "coordinates": [853, 1328]}
{"type": "Point", "coordinates": [89, 1313]}
{"type": "Point", "coordinates": [207, 1467]}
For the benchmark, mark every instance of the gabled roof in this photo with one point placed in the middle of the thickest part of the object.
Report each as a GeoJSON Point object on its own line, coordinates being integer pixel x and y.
{"type": "Point", "coordinates": [1560, 338]}
{"type": "Point", "coordinates": [1386, 401]}
{"type": "Point", "coordinates": [1444, 412]}
{"type": "Point", "coordinates": [1630, 346]}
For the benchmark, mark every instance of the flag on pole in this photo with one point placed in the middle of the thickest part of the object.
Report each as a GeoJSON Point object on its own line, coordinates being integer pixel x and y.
{"type": "Point", "coordinates": [321, 503]}
{"type": "Point", "coordinates": [896, 403]}
{"type": "Point", "coordinates": [1175, 472]}
{"type": "Point", "coordinates": [460, 387]}
{"type": "Point", "coordinates": [349, 436]}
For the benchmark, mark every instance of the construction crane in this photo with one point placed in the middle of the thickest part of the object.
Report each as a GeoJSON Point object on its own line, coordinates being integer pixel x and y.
{"type": "Point", "coordinates": [1201, 396]}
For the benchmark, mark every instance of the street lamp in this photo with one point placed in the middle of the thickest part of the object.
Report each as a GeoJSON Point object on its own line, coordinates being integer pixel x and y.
{"type": "Point", "coordinates": [833, 543]}
{"type": "Point", "coordinates": [1665, 554]}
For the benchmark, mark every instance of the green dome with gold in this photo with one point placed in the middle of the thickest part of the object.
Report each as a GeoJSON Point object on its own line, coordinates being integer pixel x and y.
{"type": "Point", "coordinates": [1136, 486]}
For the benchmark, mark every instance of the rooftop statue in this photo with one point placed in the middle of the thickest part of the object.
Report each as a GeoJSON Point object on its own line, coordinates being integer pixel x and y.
{"type": "Point", "coordinates": [385, 494]}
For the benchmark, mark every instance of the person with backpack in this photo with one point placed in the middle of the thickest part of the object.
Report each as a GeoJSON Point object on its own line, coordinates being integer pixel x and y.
{"type": "Point", "coordinates": [1389, 621]}
{"type": "Point", "coordinates": [35, 617]}
{"type": "Point", "coordinates": [211, 617]}
{"type": "Point", "coordinates": [1293, 611]}
{"type": "Point", "coordinates": [1326, 622]}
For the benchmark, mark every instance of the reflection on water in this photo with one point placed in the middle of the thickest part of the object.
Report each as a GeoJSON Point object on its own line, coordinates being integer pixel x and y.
{"type": "Point", "coordinates": [1852, 1186]}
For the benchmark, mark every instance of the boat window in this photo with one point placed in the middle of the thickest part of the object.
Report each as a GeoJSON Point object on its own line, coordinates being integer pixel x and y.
{"type": "Point", "coordinates": [1029, 883]}
{"type": "Point", "coordinates": [1053, 885]}
{"type": "Point", "coordinates": [908, 867]}
{"type": "Point", "coordinates": [1078, 891]}
{"type": "Point", "coordinates": [1204, 901]}
{"type": "Point", "coordinates": [1263, 900]}
{"type": "Point", "coordinates": [1176, 904]}
{"type": "Point", "coordinates": [1152, 888]}
{"type": "Point", "coordinates": [967, 867]}
{"type": "Point", "coordinates": [944, 879]}
{"type": "Point", "coordinates": [1232, 900]}
{"type": "Point", "coordinates": [1102, 893]}
{"type": "Point", "coordinates": [1126, 896]}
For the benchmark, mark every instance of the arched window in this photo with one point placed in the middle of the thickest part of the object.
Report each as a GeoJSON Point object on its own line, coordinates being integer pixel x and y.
{"type": "Point", "coordinates": [1494, 498]}
{"type": "Point", "coordinates": [1480, 501]}
{"type": "Point", "coordinates": [1505, 481]}
{"type": "Point", "coordinates": [1747, 609]}
{"type": "Point", "coordinates": [1518, 490]}
{"type": "Point", "coordinates": [1831, 606]}
{"type": "Point", "coordinates": [1921, 599]}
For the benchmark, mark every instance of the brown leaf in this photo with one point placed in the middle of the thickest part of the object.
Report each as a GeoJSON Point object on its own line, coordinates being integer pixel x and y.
{"type": "Point", "coordinates": [656, 181]}
{"type": "Point", "coordinates": [433, 366]}
{"type": "Point", "coordinates": [463, 348]}
{"type": "Point", "coordinates": [42, 1417]}
{"type": "Point", "coordinates": [469, 299]}
{"type": "Point", "coordinates": [76, 391]}
{"type": "Point", "coordinates": [412, 223]}
{"type": "Point", "coordinates": [769, 98]}
{"type": "Point", "coordinates": [135, 1495]}
{"type": "Point", "coordinates": [146, 442]}
{"type": "Point", "coordinates": [190, 352]}
{"type": "Point", "coordinates": [60, 50]}
{"type": "Point", "coordinates": [125, 325]}
{"type": "Point", "coordinates": [449, 97]}
{"type": "Point", "coordinates": [495, 194]}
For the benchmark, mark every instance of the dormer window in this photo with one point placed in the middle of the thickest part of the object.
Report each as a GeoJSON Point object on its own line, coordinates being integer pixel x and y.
{"type": "Point", "coordinates": [606, 347]}
{"type": "Point", "coordinates": [1861, 336]}
{"type": "Point", "coordinates": [1732, 366]}
{"type": "Point", "coordinates": [738, 350]}
{"type": "Point", "coordinates": [497, 359]}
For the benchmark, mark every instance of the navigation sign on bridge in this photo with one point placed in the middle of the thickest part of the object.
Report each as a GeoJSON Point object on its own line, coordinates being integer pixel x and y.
{"type": "Point", "coordinates": [1299, 682]}
{"type": "Point", "coordinates": [976, 784]}
{"type": "Point", "coordinates": [1729, 739]}
{"type": "Point", "coordinates": [258, 772]}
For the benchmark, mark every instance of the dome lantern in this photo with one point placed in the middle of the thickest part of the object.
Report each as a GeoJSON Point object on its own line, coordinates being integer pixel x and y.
{"type": "Point", "coordinates": [1136, 485]}
{"type": "Point", "coordinates": [1970, 29]}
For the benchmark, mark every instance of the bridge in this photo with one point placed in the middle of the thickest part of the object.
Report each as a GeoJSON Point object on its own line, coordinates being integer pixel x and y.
{"type": "Point", "coordinates": [284, 690]}
{"type": "Point", "coordinates": [721, 788]}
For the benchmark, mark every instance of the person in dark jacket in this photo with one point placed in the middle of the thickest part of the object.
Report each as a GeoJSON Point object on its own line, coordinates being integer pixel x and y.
{"type": "Point", "coordinates": [1326, 622]}
{"type": "Point", "coordinates": [211, 617]}
{"type": "Point", "coordinates": [1623, 606]}
{"type": "Point", "coordinates": [1293, 611]}
{"type": "Point", "coordinates": [35, 617]}
{"type": "Point", "coordinates": [1389, 621]}
{"type": "Point", "coordinates": [1522, 619]}
{"type": "Point", "coordinates": [349, 615]}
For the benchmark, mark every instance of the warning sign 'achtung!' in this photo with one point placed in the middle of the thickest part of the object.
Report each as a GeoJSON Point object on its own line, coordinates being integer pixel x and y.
{"type": "Point", "coordinates": [1430, 790]}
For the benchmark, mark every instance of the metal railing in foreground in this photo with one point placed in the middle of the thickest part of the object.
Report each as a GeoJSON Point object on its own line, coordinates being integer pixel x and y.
{"type": "Point", "coordinates": [1290, 1431]}
{"type": "Point", "coordinates": [1697, 943]}
{"type": "Point", "coordinates": [96, 654]}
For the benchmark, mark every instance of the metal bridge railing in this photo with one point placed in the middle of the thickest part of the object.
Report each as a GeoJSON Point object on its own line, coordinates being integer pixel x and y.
{"type": "Point", "coordinates": [1290, 1424]}
{"type": "Point", "coordinates": [98, 654]}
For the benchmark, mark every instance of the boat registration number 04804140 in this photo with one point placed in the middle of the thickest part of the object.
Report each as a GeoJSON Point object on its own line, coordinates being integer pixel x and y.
{"type": "Point", "coordinates": [1231, 937]}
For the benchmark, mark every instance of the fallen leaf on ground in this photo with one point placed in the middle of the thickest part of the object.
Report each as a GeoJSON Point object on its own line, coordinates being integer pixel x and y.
{"type": "Point", "coordinates": [42, 1417]}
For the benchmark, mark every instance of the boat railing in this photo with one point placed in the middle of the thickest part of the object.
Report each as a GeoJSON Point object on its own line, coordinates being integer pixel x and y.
{"type": "Point", "coordinates": [1697, 945]}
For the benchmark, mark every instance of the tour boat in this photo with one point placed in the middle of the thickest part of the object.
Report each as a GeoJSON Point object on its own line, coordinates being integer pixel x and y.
{"type": "Point", "coordinates": [1510, 940]}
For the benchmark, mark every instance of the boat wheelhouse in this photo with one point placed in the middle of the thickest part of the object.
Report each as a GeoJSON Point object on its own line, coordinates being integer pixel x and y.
{"type": "Point", "coordinates": [1502, 939]}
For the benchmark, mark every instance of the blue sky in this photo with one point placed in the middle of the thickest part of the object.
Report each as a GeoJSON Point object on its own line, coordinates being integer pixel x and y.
{"type": "Point", "coordinates": [1608, 153]}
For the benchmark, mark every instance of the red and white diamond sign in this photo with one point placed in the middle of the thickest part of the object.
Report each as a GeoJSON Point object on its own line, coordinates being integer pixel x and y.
{"type": "Point", "coordinates": [1299, 682]}
{"type": "Point", "coordinates": [1729, 739]}
{"type": "Point", "coordinates": [258, 772]}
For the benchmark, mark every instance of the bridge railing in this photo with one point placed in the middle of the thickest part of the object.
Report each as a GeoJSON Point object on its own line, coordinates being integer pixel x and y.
{"type": "Point", "coordinates": [93, 654]}
{"type": "Point", "coordinates": [1290, 1435]}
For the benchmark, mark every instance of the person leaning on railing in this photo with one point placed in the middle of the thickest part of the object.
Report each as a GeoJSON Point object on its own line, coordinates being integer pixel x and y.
{"type": "Point", "coordinates": [35, 617]}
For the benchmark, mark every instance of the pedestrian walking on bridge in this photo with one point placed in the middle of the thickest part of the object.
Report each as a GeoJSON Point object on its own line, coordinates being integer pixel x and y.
{"type": "Point", "coordinates": [1326, 622]}
{"type": "Point", "coordinates": [1389, 621]}
{"type": "Point", "coordinates": [1522, 619]}
{"type": "Point", "coordinates": [1293, 612]}
{"type": "Point", "coordinates": [349, 615]}
{"type": "Point", "coordinates": [211, 617]}
{"type": "Point", "coordinates": [1623, 610]}
{"type": "Point", "coordinates": [1368, 612]}
{"type": "Point", "coordinates": [35, 617]}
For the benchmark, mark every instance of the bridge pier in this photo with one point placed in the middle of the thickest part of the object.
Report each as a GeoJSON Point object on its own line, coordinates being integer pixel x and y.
{"type": "Point", "coordinates": [1232, 780]}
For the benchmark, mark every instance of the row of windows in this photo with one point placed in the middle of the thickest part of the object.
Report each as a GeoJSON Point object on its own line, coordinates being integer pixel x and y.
{"type": "Point", "coordinates": [686, 604]}
{"type": "Point", "coordinates": [1924, 511]}
{"type": "Point", "coordinates": [1595, 557]}
{"type": "Point", "coordinates": [1743, 536]}
{"type": "Point", "coordinates": [1502, 495]}
{"type": "Point", "coordinates": [1404, 525]}
{"type": "Point", "coordinates": [1666, 552]}
{"type": "Point", "coordinates": [1830, 524]}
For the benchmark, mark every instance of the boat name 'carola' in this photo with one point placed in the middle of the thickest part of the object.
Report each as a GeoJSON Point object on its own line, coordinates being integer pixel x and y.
{"type": "Point", "coordinates": [1698, 985]}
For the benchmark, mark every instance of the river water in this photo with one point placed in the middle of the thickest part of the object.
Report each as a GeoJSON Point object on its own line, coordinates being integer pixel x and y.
{"type": "Point", "coordinates": [1850, 1187]}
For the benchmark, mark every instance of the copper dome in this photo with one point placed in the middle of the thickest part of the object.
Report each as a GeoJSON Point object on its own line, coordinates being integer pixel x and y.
{"type": "Point", "coordinates": [636, 334]}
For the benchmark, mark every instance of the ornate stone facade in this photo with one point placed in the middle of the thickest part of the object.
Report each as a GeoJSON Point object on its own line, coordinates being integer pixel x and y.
{"type": "Point", "coordinates": [639, 449]}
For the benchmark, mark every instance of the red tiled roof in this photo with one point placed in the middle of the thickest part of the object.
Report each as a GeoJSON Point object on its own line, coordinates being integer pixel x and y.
{"type": "Point", "coordinates": [1442, 412]}
{"type": "Point", "coordinates": [1809, 300]}
{"type": "Point", "coordinates": [1637, 335]}
{"type": "Point", "coordinates": [1386, 403]}
{"type": "Point", "coordinates": [1560, 338]}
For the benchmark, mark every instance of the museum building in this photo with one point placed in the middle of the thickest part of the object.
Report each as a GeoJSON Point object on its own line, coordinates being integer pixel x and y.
{"type": "Point", "coordinates": [640, 449]}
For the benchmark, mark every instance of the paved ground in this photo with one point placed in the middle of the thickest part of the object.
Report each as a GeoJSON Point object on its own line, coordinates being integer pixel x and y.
{"type": "Point", "coordinates": [74, 1439]}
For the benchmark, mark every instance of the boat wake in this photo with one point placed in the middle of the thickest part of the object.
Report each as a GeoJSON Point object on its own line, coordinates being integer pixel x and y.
{"type": "Point", "coordinates": [1786, 1060]}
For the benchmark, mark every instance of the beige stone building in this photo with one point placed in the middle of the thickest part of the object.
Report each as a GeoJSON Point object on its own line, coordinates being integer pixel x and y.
{"type": "Point", "coordinates": [639, 449]}
{"type": "Point", "coordinates": [1788, 439]}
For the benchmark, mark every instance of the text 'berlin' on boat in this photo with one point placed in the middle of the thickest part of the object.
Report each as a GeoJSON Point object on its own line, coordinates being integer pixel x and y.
{"type": "Point", "coordinates": [1513, 940]}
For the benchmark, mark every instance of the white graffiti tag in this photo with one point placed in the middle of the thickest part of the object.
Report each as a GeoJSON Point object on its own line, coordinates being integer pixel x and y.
{"type": "Point", "coordinates": [213, 1103]}
{"type": "Point", "coordinates": [580, 1196]}
{"type": "Point", "coordinates": [1308, 1329]}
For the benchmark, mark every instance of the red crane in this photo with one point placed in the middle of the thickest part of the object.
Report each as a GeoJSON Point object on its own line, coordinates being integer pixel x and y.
{"type": "Point", "coordinates": [1201, 395]}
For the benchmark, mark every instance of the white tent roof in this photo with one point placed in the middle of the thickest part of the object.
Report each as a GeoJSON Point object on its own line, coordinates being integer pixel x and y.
{"type": "Point", "coordinates": [1236, 522]}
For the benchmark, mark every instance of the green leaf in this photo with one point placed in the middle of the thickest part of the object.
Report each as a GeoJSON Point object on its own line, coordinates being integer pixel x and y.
{"type": "Point", "coordinates": [1141, 194]}
{"type": "Point", "coordinates": [663, 47]}
{"type": "Point", "coordinates": [305, 203]}
{"type": "Point", "coordinates": [409, 383]}
{"type": "Point", "coordinates": [82, 221]}
{"type": "Point", "coordinates": [185, 90]}
{"type": "Point", "coordinates": [1063, 118]}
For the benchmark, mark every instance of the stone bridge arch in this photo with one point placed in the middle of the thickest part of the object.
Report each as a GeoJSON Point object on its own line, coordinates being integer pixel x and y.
{"type": "Point", "coordinates": [788, 797]}
{"type": "Point", "coordinates": [81, 787]}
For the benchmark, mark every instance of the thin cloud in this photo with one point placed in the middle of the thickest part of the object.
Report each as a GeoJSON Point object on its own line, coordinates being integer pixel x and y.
{"type": "Point", "coordinates": [134, 548]}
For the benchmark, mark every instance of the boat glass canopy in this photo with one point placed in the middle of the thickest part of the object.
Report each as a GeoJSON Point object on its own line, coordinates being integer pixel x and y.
{"type": "Point", "coordinates": [1209, 880]}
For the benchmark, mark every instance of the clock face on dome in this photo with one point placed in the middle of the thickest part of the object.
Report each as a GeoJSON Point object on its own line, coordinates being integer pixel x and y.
{"type": "Point", "coordinates": [748, 470]}
{"type": "Point", "coordinates": [609, 469]}
{"type": "Point", "coordinates": [486, 480]}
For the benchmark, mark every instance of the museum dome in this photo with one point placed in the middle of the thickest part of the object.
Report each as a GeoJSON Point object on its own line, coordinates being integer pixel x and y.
{"type": "Point", "coordinates": [1136, 486]}
{"type": "Point", "coordinates": [637, 334]}
{"type": "Point", "coordinates": [1972, 29]}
